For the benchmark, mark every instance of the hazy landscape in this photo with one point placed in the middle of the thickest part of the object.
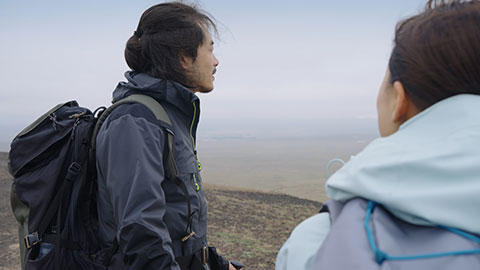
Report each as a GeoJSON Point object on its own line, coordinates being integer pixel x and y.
{"type": "Point", "coordinates": [259, 187]}
{"type": "Point", "coordinates": [282, 156]}
{"type": "Point", "coordinates": [290, 166]}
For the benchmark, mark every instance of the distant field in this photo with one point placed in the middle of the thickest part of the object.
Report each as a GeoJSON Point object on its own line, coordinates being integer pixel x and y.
{"type": "Point", "coordinates": [290, 166]}
{"type": "Point", "coordinates": [296, 167]}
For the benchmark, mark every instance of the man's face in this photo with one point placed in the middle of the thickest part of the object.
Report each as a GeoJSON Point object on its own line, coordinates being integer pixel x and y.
{"type": "Point", "coordinates": [200, 72]}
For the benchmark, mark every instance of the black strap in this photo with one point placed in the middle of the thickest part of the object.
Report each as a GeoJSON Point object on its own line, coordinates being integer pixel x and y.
{"type": "Point", "coordinates": [324, 209]}
{"type": "Point", "coordinates": [65, 195]}
{"type": "Point", "coordinates": [52, 209]}
{"type": "Point", "coordinates": [57, 200]}
{"type": "Point", "coordinates": [73, 171]}
{"type": "Point", "coordinates": [60, 219]}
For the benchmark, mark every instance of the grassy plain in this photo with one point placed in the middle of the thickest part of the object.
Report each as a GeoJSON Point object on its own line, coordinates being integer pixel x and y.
{"type": "Point", "coordinates": [252, 226]}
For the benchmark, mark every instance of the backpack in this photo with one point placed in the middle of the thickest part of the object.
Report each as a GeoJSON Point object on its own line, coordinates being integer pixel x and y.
{"type": "Point", "coordinates": [364, 235]}
{"type": "Point", "coordinates": [53, 195]}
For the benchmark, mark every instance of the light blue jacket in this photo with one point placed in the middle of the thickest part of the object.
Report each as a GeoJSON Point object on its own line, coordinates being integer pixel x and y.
{"type": "Point", "coordinates": [427, 173]}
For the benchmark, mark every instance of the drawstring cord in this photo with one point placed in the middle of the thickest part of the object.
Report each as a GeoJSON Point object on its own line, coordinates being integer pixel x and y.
{"type": "Point", "coordinates": [381, 256]}
{"type": "Point", "coordinates": [331, 162]}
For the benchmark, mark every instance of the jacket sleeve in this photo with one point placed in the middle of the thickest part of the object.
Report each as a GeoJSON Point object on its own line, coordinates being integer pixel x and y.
{"type": "Point", "coordinates": [130, 161]}
{"type": "Point", "coordinates": [299, 251]}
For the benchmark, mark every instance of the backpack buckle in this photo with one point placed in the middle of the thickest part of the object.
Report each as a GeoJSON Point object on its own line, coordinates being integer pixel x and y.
{"type": "Point", "coordinates": [31, 240]}
{"type": "Point", "coordinates": [73, 170]}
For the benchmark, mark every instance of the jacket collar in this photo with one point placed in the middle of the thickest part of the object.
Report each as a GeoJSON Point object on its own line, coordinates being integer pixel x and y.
{"type": "Point", "coordinates": [161, 89]}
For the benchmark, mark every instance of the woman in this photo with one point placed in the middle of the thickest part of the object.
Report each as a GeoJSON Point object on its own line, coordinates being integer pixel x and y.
{"type": "Point", "coordinates": [410, 199]}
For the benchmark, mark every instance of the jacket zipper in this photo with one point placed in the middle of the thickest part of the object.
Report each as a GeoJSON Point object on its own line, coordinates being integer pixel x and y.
{"type": "Point", "coordinates": [197, 186]}
{"type": "Point", "coordinates": [199, 165]}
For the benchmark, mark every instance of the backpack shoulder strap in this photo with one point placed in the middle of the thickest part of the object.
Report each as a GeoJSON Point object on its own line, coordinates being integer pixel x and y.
{"type": "Point", "coordinates": [153, 105]}
{"type": "Point", "coordinates": [157, 109]}
{"type": "Point", "coordinates": [171, 169]}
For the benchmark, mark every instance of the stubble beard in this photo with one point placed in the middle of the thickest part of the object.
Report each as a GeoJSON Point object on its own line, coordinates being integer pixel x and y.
{"type": "Point", "coordinates": [196, 79]}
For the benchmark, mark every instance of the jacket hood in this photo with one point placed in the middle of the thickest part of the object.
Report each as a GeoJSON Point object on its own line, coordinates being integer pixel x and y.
{"type": "Point", "coordinates": [426, 173]}
{"type": "Point", "coordinates": [160, 89]}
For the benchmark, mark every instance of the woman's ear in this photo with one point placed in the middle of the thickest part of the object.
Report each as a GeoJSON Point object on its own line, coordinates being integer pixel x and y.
{"type": "Point", "coordinates": [400, 110]}
{"type": "Point", "coordinates": [404, 108]}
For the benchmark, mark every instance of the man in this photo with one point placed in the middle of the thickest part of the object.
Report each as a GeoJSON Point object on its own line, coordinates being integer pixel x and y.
{"type": "Point", "coordinates": [158, 223]}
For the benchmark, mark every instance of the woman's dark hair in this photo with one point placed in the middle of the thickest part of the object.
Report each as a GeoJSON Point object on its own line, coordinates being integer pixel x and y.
{"type": "Point", "coordinates": [436, 53]}
{"type": "Point", "coordinates": [166, 31]}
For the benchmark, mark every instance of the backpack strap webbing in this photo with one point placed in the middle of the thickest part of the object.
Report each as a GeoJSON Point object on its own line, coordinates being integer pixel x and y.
{"type": "Point", "coordinates": [157, 109]}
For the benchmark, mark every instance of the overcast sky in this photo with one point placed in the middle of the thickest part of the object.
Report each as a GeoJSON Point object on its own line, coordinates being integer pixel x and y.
{"type": "Point", "coordinates": [304, 59]}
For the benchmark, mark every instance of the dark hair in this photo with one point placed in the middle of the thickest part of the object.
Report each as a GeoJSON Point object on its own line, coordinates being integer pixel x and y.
{"type": "Point", "coordinates": [436, 53]}
{"type": "Point", "coordinates": [166, 31]}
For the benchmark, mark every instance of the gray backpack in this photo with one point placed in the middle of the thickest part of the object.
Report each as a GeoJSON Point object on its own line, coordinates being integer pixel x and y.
{"type": "Point", "coordinates": [365, 236]}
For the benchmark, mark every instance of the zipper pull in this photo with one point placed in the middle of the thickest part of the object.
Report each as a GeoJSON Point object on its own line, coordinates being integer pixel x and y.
{"type": "Point", "coordinates": [186, 237]}
{"type": "Point", "coordinates": [197, 186]}
{"type": "Point", "coordinates": [199, 165]}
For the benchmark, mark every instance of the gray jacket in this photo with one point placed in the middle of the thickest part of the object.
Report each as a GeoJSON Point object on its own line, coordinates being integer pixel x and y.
{"type": "Point", "coordinates": [145, 211]}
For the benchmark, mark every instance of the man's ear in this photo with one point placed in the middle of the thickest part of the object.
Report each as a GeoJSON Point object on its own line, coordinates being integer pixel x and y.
{"type": "Point", "coordinates": [185, 61]}
{"type": "Point", "coordinates": [402, 104]}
